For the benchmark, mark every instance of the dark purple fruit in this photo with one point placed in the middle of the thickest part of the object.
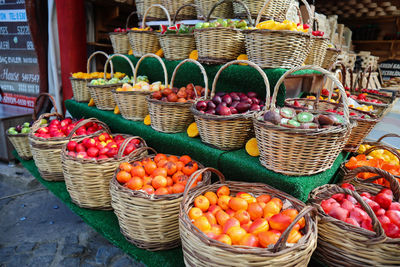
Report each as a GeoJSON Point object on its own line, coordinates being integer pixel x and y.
{"type": "Point", "coordinates": [227, 99]}
{"type": "Point", "coordinates": [201, 105]}
{"type": "Point", "coordinates": [211, 111]}
{"type": "Point", "coordinates": [223, 110]}
{"type": "Point", "coordinates": [220, 94]}
{"type": "Point", "coordinates": [217, 100]}
{"type": "Point", "coordinates": [235, 103]}
{"type": "Point", "coordinates": [252, 94]}
{"type": "Point", "coordinates": [234, 96]}
{"type": "Point", "coordinates": [288, 113]}
{"type": "Point", "coordinates": [233, 110]}
{"type": "Point", "coordinates": [241, 94]}
{"type": "Point", "coordinates": [255, 100]}
{"type": "Point", "coordinates": [255, 107]}
{"type": "Point", "coordinates": [243, 107]}
{"type": "Point", "coordinates": [325, 120]}
{"type": "Point", "coordinates": [18, 128]}
{"type": "Point", "coordinates": [273, 117]}
{"type": "Point", "coordinates": [211, 105]}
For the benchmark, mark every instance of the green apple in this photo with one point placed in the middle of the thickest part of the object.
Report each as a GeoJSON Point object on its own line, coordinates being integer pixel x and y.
{"type": "Point", "coordinates": [43, 121]}
{"type": "Point", "coordinates": [25, 130]}
{"type": "Point", "coordinates": [12, 131]}
{"type": "Point", "coordinates": [199, 25]}
{"type": "Point", "coordinates": [206, 25]}
{"type": "Point", "coordinates": [26, 124]}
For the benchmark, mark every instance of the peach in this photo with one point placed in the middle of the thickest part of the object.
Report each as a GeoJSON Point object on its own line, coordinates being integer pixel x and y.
{"type": "Point", "coordinates": [294, 236]}
{"type": "Point", "coordinates": [255, 210]}
{"type": "Point", "coordinates": [279, 222]}
{"type": "Point", "coordinates": [202, 223]}
{"type": "Point", "coordinates": [216, 229]}
{"type": "Point", "coordinates": [212, 197]}
{"type": "Point", "coordinates": [225, 239]}
{"type": "Point", "coordinates": [214, 208]}
{"type": "Point", "coordinates": [195, 213]}
{"type": "Point", "coordinates": [230, 212]}
{"type": "Point", "coordinates": [210, 217]}
{"type": "Point", "coordinates": [201, 202]}
{"type": "Point", "coordinates": [249, 240]}
{"type": "Point", "coordinates": [268, 237]}
{"type": "Point", "coordinates": [223, 191]}
{"type": "Point", "coordinates": [237, 203]}
{"type": "Point", "coordinates": [259, 225]}
{"type": "Point", "coordinates": [231, 222]}
{"type": "Point", "coordinates": [221, 217]}
{"type": "Point", "coordinates": [159, 181]}
{"type": "Point", "coordinates": [236, 233]}
{"type": "Point", "coordinates": [270, 209]}
{"type": "Point", "coordinates": [249, 198]}
{"type": "Point", "coordinates": [223, 201]}
{"type": "Point", "coordinates": [212, 235]}
{"type": "Point", "coordinates": [263, 198]}
{"type": "Point", "coordinates": [292, 213]}
{"type": "Point", "coordinates": [242, 216]}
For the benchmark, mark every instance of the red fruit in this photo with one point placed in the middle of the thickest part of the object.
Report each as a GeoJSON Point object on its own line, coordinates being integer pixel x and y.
{"type": "Point", "coordinates": [279, 222]}
{"type": "Point", "coordinates": [129, 148]}
{"type": "Point", "coordinates": [394, 206]}
{"type": "Point", "coordinates": [80, 148]}
{"type": "Point", "coordinates": [359, 215]}
{"type": "Point", "coordinates": [81, 155]}
{"type": "Point", "coordinates": [71, 145]}
{"type": "Point", "coordinates": [339, 197]}
{"type": "Point", "coordinates": [367, 224]}
{"type": "Point", "coordinates": [102, 157]}
{"type": "Point", "coordinates": [384, 200]}
{"type": "Point", "coordinates": [394, 216]}
{"type": "Point", "coordinates": [387, 192]}
{"type": "Point", "coordinates": [112, 152]}
{"type": "Point", "coordinates": [93, 152]}
{"type": "Point", "coordinates": [391, 230]}
{"type": "Point", "coordinates": [352, 221]}
{"type": "Point", "coordinates": [348, 205]}
{"type": "Point", "coordinates": [374, 206]}
{"type": "Point", "coordinates": [72, 154]}
{"type": "Point", "coordinates": [66, 122]}
{"type": "Point", "coordinates": [380, 212]}
{"type": "Point", "coordinates": [384, 219]}
{"type": "Point", "coordinates": [366, 194]}
{"type": "Point", "coordinates": [348, 186]}
{"type": "Point", "coordinates": [328, 204]}
{"type": "Point", "coordinates": [339, 213]}
{"type": "Point", "coordinates": [103, 151]}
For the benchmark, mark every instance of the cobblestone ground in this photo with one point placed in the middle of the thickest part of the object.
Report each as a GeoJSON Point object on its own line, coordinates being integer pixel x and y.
{"type": "Point", "coordinates": [36, 229]}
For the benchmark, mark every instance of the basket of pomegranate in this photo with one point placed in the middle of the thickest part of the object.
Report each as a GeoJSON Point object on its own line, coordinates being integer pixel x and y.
{"type": "Point", "coordinates": [170, 108]}
{"type": "Point", "coordinates": [244, 224]}
{"type": "Point", "coordinates": [89, 165]}
{"type": "Point", "coordinates": [224, 119]}
{"type": "Point", "coordinates": [301, 143]}
{"type": "Point", "coordinates": [146, 195]}
{"type": "Point", "coordinates": [47, 137]}
{"type": "Point", "coordinates": [357, 226]}
{"type": "Point", "coordinates": [131, 99]}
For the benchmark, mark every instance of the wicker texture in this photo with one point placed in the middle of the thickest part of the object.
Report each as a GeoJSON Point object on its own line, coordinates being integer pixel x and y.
{"type": "Point", "coordinates": [133, 104]}
{"type": "Point", "coordinates": [200, 250]}
{"type": "Point", "coordinates": [148, 221]}
{"type": "Point", "coordinates": [226, 132]}
{"type": "Point", "coordinates": [225, 10]}
{"type": "Point", "coordinates": [88, 180]}
{"type": "Point", "coordinates": [174, 5]}
{"type": "Point", "coordinates": [278, 49]}
{"type": "Point", "coordinates": [276, 9]}
{"type": "Point", "coordinates": [220, 44]}
{"type": "Point", "coordinates": [79, 86]}
{"type": "Point", "coordinates": [120, 40]}
{"type": "Point", "coordinates": [301, 151]}
{"type": "Point", "coordinates": [145, 42]}
{"type": "Point", "coordinates": [21, 144]}
{"type": "Point", "coordinates": [155, 14]}
{"type": "Point", "coordinates": [318, 51]}
{"type": "Point", "coordinates": [330, 58]}
{"type": "Point", "coordinates": [173, 117]}
{"type": "Point", "coordinates": [342, 244]}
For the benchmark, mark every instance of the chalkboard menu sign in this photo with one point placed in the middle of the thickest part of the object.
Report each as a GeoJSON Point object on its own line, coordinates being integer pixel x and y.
{"type": "Point", "coordinates": [19, 71]}
{"type": "Point", "coordinates": [390, 69]}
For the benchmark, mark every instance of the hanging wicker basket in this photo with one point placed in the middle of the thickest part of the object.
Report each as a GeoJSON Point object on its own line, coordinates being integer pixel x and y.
{"type": "Point", "coordinates": [342, 244]}
{"type": "Point", "coordinates": [148, 221]}
{"type": "Point", "coordinates": [88, 180]}
{"type": "Point", "coordinates": [174, 6]}
{"type": "Point", "coordinates": [145, 42]}
{"type": "Point", "coordinates": [226, 132]}
{"type": "Point", "coordinates": [173, 117]}
{"type": "Point", "coordinates": [200, 250]}
{"type": "Point", "coordinates": [301, 151]}
{"type": "Point", "coordinates": [177, 46]}
{"type": "Point", "coordinates": [225, 10]}
{"type": "Point", "coordinates": [330, 58]}
{"type": "Point", "coordinates": [120, 40]}
{"type": "Point", "coordinates": [80, 86]}
{"type": "Point", "coordinates": [133, 104]}
{"type": "Point", "coordinates": [278, 49]}
{"type": "Point", "coordinates": [219, 45]}
{"type": "Point", "coordinates": [276, 9]}
{"type": "Point", "coordinates": [155, 14]}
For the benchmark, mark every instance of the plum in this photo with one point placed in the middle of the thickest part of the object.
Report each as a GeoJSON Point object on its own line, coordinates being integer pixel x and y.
{"type": "Point", "coordinates": [234, 96]}
{"type": "Point", "coordinates": [223, 110]}
{"type": "Point", "coordinates": [201, 105]}
{"type": "Point", "coordinates": [210, 111]}
{"type": "Point", "coordinates": [252, 94]}
{"type": "Point", "coordinates": [220, 94]}
{"type": "Point", "coordinates": [235, 103]}
{"type": "Point", "coordinates": [273, 117]}
{"type": "Point", "coordinates": [233, 110]}
{"type": "Point", "coordinates": [255, 107]}
{"type": "Point", "coordinates": [211, 105]}
{"type": "Point", "coordinates": [243, 107]}
{"type": "Point", "coordinates": [227, 99]}
{"type": "Point", "coordinates": [217, 100]}
{"type": "Point", "coordinates": [255, 100]}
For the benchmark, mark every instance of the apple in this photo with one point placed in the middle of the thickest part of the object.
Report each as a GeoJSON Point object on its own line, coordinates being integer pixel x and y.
{"type": "Point", "coordinates": [66, 122]}
{"type": "Point", "coordinates": [329, 204]}
{"type": "Point", "coordinates": [102, 157]}
{"type": "Point", "coordinates": [384, 219]}
{"type": "Point", "coordinates": [92, 152]}
{"type": "Point", "coordinates": [339, 213]}
{"type": "Point", "coordinates": [348, 205]}
{"type": "Point", "coordinates": [72, 154]}
{"type": "Point", "coordinates": [359, 215]}
{"type": "Point", "coordinates": [103, 151]}
{"type": "Point", "coordinates": [348, 186]}
{"type": "Point", "coordinates": [339, 197]}
{"type": "Point", "coordinates": [384, 200]}
{"type": "Point", "coordinates": [367, 224]}
{"type": "Point", "coordinates": [391, 230]}
{"type": "Point", "coordinates": [112, 152]}
{"type": "Point", "coordinates": [129, 148]}
{"type": "Point", "coordinates": [80, 148]}
{"type": "Point", "coordinates": [72, 145]}
{"type": "Point", "coordinates": [394, 216]}
{"type": "Point", "coordinates": [81, 154]}
{"type": "Point", "coordinates": [394, 206]}
{"type": "Point", "coordinates": [352, 221]}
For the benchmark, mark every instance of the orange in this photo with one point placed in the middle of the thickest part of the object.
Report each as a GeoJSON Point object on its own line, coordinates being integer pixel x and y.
{"type": "Point", "coordinates": [178, 188]}
{"type": "Point", "coordinates": [159, 181]}
{"type": "Point", "coordinates": [170, 182]}
{"type": "Point", "coordinates": [236, 233]}
{"type": "Point", "coordinates": [161, 191]}
{"type": "Point", "coordinates": [223, 190]}
{"type": "Point", "coordinates": [185, 159]}
{"type": "Point", "coordinates": [237, 203]}
{"type": "Point", "coordinates": [149, 167]}
{"type": "Point", "coordinates": [138, 171]}
{"type": "Point", "coordinates": [125, 166]}
{"type": "Point", "coordinates": [173, 158]}
{"type": "Point", "coordinates": [159, 172]}
{"type": "Point", "coordinates": [212, 197]}
{"type": "Point", "coordinates": [159, 156]}
{"type": "Point", "coordinates": [202, 203]}
{"type": "Point", "coordinates": [148, 189]}
{"type": "Point", "coordinates": [136, 183]}
{"type": "Point", "coordinates": [123, 177]}
{"type": "Point", "coordinates": [195, 213]}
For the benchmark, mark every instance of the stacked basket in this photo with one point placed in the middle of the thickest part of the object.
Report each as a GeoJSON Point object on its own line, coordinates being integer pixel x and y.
{"type": "Point", "coordinates": [174, 5]}
{"type": "Point", "coordinates": [276, 9]}
{"type": "Point", "coordinates": [120, 40]}
{"type": "Point", "coordinates": [155, 14]}
{"type": "Point", "coordinates": [225, 10]}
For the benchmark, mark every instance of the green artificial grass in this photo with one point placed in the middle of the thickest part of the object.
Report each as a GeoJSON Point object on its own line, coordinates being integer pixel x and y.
{"type": "Point", "coordinates": [234, 78]}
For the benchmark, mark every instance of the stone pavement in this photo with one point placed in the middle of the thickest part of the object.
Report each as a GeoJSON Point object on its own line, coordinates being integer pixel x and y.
{"type": "Point", "coordinates": [36, 229]}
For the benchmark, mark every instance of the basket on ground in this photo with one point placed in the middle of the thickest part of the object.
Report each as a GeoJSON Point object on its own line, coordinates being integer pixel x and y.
{"type": "Point", "coordinates": [133, 104]}
{"type": "Point", "coordinates": [276, 9]}
{"type": "Point", "coordinates": [226, 132]}
{"type": "Point", "coordinates": [200, 250]}
{"type": "Point", "coordinates": [148, 221]}
{"type": "Point", "coordinates": [218, 45]}
{"type": "Point", "coordinates": [88, 180]}
{"type": "Point", "coordinates": [174, 5]}
{"type": "Point", "coordinates": [120, 40]}
{"type": "Point", "coordinates": [225, 10]}
{"type": "Point", "coordinates": [79, 86]}
{"type": "Point", "coordinates": [173, 117]}
{"type": "Point", "coordinates": [301, 151]}
{"type": "Point", "coordinates": [342, 244]}
{"type": "Point", "coordinates": [276, 48]}
{"type": "Point", "coordinates": [146, 41]}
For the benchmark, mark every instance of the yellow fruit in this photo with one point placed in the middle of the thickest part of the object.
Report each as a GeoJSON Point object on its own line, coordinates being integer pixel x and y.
{"type": "Point", "coordinates": [130, 52]}
{"type": "Point", "coordinates": [252, 148]}
{"type": "Point", "coordinates": [116, 110]}
{"type": "Point", "coordinates": [160, 53]}
{"type": "Point", "coordinates": [147, 120]}
{"type": "Point", "coordinates": [194, 55]}
{"type": "Point", "coordinates": [192, 130]}
{"type": "Point", "coordinates": [91, 102]}
{"type": "Point", "coordinates": [243, 57]}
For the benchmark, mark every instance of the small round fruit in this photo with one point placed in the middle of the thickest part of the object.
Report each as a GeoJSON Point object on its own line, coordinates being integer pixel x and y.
{"type": "Point", "coordinates": [202, 203]}
{"type": "Point", "coordinates": [125, 166]}
{"type": "Point", "coordinates": [237, 203]}
{"type": "Point", "coordinates": [123, 177]}
{"type": "Point", "coordinates": [136, 183]}
{"type": "Point", "coordinates": [148, 189]}
{"type": "Point", "coordinates": [225, 239]}
{"type": "Point", "coordinates": [202, 223]}
{"type": "Point", "coordinates": [161, 191]}
{"type": "Point", "coordinates": [269, 238]}
{"type": "Point", "coordinates": [236, 233]}
{"type": "Point", "coordinates": [223, 190]}
{"type": "Point", "coordinates": [212, 197]}
{"type": "Point", "coordinates": [195, 213]}
{"type": "Point", "coordinates": [159, 181]}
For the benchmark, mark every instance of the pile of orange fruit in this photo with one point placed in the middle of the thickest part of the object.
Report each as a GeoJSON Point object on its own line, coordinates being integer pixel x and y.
{"type": "Point", "coordinates": [160, 175]}
{"type": "Point", "coordinates": [96, 75]}
{"type": "Point", "coordinates": [244, 219]}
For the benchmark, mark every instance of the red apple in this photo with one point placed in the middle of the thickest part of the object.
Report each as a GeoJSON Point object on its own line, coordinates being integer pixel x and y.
{"type": "Point", "coordinates": [72, 154]}
{"type": "Point", "coordinates": [348, 205]}
{"type": "Point", "coordinates": [339, 197]}
{"type": "Point", "coordinates": [112, 152]}
{"type": "Point", "coordinates": [81, 155]}
{"type": "Point", "coordinates": [92, 152]}
{"type": "Point", "coordinates": [367, 224]}
{"type": "Point", "coordinates": [72, 145]}
{"type": "Point", "coordinates": [359, 215]}
{"type": "Point", "coordinates": [55, 122]}
{"type": "Point", "coordinates": [65, 122]}
{"type": "Point", "coordinates": [380, 212]}
{"type": "Point", "coordinates": [366, 194]}
{"type": "Point", "coordinates": [348, 186]}
{"type": "Point", "coordinates": [384, 219]}
{"type": "Point", "coordinates": [328, 204]}
{"type": "Point", "coordinates": [80, 148]}
{"type": "Point", "coordinates": [102, 157]}
{"type": "Point", "coordinates": [374, 206]}
{"type": "Point", "coordinates": [352, 221]}
{"type": "Point", "coordinates": [391, 230]}
{"type": "Point", "coordinates": [352, 199]}
{"type": "Point", "coordinates": [103, 151]}
{"type": "Point", "coordinates": [384, 200]}
{"type": "Point", "coordinates": [394, 216]}
{"type": "Point", "coordinates": [339, 213]}
{"type": "Point", "coordinates": [394, 206]}
{"type": "Point", "coordinates": [43, 130]}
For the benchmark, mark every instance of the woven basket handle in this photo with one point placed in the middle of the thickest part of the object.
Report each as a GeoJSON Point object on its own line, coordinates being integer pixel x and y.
{"type": "Point", "coordinates": [92, 56]}
{"type": "Point", "coordinates": [323, 71]}
{"type": "Point", "coordinates": [381, 146]}
{"type": "Point", "coordinates": [148, 10]}
{"type": "Point", "coordinates": [184, 6]}
{"type": "Point", "coordinates": [394, 184]}
{"type": "Point", "coordinates": [248, 14]}
{"type": "Point", "coordinates": [281, 243]}
{"type": "Point", "coordinates": [203, 71]}
{"type": "Point", "coordinates": [196, 175]}
{"type": "Point", "coordinates": [387, 135]}
{"type": "Point", "coordinates": [251, 64]}
{"type": "Point", "coordinates": [135, 152]}
{"type": "Point", "coordinates": [128, 18]}
{"type": "Point", "coordinates": [36, 105]}
{"type": "Point", "coordinates": [159, 60]}
{"type": "Point", "coordinates": [36, 125]}
{"type": "Point", "coordinates": [86, 121]}
{"type": "Point", "coordinates": [112, 70]}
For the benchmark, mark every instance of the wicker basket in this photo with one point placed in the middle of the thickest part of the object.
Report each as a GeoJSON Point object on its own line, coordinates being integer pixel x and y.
{"type": "Point", "coordinates": [330, 58]}
{"type": "Point", "coordinates": [79, 86]}
{"type": "Point", "coordinates": [145, 42]}
{"type": "Point", "coordinates": [226, 132]}
{"type": "Point", "coordinates": [155, 14]}
{"type": "Point", "coordinates": [148, 221]}
{"type": "Point", "coordinates": [301, 151]}
{"type": "Point", "coordinates": [88, 180]}
{"type": "Point", "coordinates": [177, 46]}
{"type": "Point", "coordinates": [200, 250]}
{"type": "Point", "coordinates": [275, 10]}
{"type": "Point", "coordinates": [21, 144]}
{"type": "Point", "coordinates": [173, 117]}
{"type": "Point", "coordinates": [219, 45]}
{"type": "Point", "coordinates": [120, 40]}
{"type": "Point", "coordinates": [133, 104]}
{"type": "Point", "coordinates": [102, 94]}
{"type": "Point", "coordinates": [278, 49]}
{"type": "Point", "coordinates": [342, 244]}
{"type": "Point", "coordinates": [225, 10]}
{"type": "Point", "coordinates": [318, 50]}
{"type": "Point", "coordinates": [174, 6]}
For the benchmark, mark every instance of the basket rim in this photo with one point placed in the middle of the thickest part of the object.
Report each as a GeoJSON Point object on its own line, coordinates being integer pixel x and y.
{"type": "Point", "coordinates": [245, 116]}
{"type": "Point", "coordinates": [17, 135]}
{"type": "Point", "coordinates": [282, 32]}
{"type": "Point", "coordinates": [136, 31]}
{"type": "Point", "coordinates": [104, 85]}
{"type": "Point", "coordinates": [176, 34]}
{"type": "Point", "coordinates": [118, 33]}
{"type": "Point", "coordinates": [219, 29]}
{"type": "Point", "coordinates": [81, 79]}
{"type": "Point", "coordinates": [178, 104]}
{"type": "Point", "coordinates": [114, 91]}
